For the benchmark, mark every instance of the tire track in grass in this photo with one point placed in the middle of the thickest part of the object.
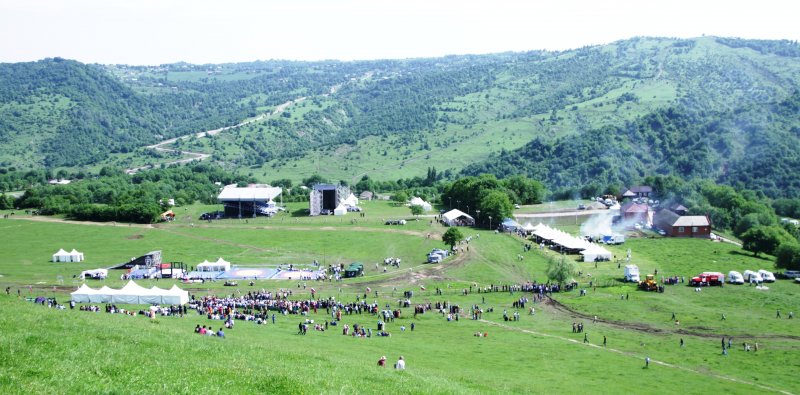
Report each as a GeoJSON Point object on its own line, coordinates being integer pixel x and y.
{"type": "Point", "coordinates": [634, 355]}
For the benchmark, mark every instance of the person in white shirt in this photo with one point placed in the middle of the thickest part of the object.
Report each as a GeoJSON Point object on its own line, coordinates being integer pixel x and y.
{"type": "Point", "coordinates": [401, 364]}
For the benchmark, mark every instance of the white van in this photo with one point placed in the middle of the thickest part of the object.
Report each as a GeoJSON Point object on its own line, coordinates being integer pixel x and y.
{"type": "Point", "coordinates": [735, 277]}
{"type": "Point", "coordinates": [632, 273]}
{"type": "Point", "coordinates": [752, 277]}
{"type": "Point", "coordinates": [767, 276]}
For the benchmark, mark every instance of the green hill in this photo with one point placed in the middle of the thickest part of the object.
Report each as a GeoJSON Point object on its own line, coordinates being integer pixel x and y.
{"type": "Point", "coordinates": [709, 107]}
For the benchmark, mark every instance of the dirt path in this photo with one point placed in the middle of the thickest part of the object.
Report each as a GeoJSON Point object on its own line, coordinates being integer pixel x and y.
{"type": "Point", "coordinates": [198, 156]}
{"type": "Point", "coordinates": [639, 357]}
{"type": "Point", "coordinates": [642, 327]}
{"type": "Point", "coordinates": [42, 218]}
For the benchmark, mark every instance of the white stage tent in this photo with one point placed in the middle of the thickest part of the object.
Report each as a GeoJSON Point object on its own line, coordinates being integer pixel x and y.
{"type": "Point", "coordinates": [131, 293]}
{"type": "Point", "coordinates": [417, 201]}
{"type": "Point", "coordinates": [63, 256]}
{"type": "Point", "coordinates": [590, 251]}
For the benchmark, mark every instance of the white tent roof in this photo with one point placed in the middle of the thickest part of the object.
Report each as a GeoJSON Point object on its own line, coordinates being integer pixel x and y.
{"type": "Point", "coordinates": [351, 201]}
{"type": "Point", "coordinates": [455, 213]}
{"type": "Point", "coordinates": [233, 193]}
{"type": "Point", "coordinates": [74, 252]}
{"type": "Point", "coordinates": [61, 252]}
{"type": "Point", "coordinates": [221, 261]}
{"type": "Point", "coordinates": [528, 227]}
{"type": "Point", "coordinates": [417, 201]}
{"type": "Point", "coordinates": [131, 293]}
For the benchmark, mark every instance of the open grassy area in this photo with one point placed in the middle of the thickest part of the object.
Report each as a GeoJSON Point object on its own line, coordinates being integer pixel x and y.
{"type": "Point", "coordinates": [48, 350]}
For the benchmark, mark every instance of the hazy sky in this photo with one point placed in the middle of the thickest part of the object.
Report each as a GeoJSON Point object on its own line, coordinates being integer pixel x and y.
{"type": "Point", "coordinates": [215, 31]}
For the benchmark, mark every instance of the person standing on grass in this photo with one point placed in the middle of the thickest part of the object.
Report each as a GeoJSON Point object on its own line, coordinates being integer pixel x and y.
{"type": "Point", "coordinates": [585, 337]}
{"type": "Point", "coordinates": [604, 340]}
{"type": "Point", "coordinates": [647, 362]}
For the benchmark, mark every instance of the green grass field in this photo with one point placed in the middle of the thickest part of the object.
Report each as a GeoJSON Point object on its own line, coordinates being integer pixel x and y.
{"type": "Point", "coordinates": [67, 351]}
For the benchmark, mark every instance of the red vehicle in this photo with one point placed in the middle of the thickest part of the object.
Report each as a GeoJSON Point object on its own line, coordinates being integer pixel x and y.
{"type": "Point", "coordinates": [707, 279]}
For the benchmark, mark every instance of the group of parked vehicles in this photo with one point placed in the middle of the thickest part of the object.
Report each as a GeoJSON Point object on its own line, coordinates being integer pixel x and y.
{"type": "Point", "coordinates": [703, 279]}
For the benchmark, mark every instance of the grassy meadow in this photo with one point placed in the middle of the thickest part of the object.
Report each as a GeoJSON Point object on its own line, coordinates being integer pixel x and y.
{"type": "Point", "coordinates": [70, 351]}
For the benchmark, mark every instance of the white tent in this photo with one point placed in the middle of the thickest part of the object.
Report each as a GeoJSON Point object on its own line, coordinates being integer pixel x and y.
{"type": "Point", "coordinates": [63, 256]}
{"type": "Point", "coordinates": [131, 293]}
{"type": "Point", "coordinates": [176, 295]}
{"type": "Point", "coordinates": [456, 217]}
{"type": "Point", "coordinates": [351, 201]}
{"type": "Point", "coordinates": [416, 201]}
{"type": "Point", "coordinates": [528, 227]}
{"type": "Point", "coordinates": [96, 273]}
{"type": "Point", "coordinates": [76, 256]}
{"type": "Point", "coordinates": [82, 294]}
{"type": "Point", "coordinates": [340, 210]}
{"type": "Point", "coordinates": [220, 265]}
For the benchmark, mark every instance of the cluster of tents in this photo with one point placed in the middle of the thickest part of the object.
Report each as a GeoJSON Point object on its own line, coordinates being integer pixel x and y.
{"type": "Point", "coordinates": [131, 293]}
{"type": "Point", "coordinates": [72, 256]}
{"type": "Point", "coordinates": [570, 244]}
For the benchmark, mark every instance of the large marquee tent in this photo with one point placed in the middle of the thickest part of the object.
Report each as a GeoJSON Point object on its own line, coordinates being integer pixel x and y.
{"type": "Point", "coordinates": [571, 244]}
{"type": "Point", "coordinates": [131, 293]}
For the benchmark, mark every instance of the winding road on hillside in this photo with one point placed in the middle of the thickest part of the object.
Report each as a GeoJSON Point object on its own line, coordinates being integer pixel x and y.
{"type": "Point", "coordinates": [198, 156]}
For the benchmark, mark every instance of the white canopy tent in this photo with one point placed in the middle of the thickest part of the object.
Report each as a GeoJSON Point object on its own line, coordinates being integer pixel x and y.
{"type": "Point", "coordinates": [131, 293]}
{"type": "Point", "coordinates": [340, 210]}
{"type": "Point", "coordinates": [220, 265]}
{"type": "Point", "coordinates": [63, 256]}
{"type": "Point", "coordinates": [456, 217]}
{"type": "Point", "coordinates": [351, 201]}
{"type": "Point", "coordinates": [417, 201]}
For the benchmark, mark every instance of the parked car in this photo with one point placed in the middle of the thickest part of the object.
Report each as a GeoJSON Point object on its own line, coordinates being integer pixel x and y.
{"type": "Point", "coordinates": [752, 277]}
{"type": "Point", "coordinates": [735, 277]}
{"type": "Point", "coordinates": [767, 276]}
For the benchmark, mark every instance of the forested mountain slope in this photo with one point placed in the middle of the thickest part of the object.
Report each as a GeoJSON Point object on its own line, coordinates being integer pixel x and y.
{"type": "Point", "coordinates": [709, 107]}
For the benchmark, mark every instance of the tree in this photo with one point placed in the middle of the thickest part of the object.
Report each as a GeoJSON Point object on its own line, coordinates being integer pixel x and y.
{"type": "Point", "coordinates": [417, 209]}
{"type": "Point", "coordinates": [560, 269]}
{"type": "Point", "coordinates": [528, 191]}
{"type": "Point", "coordinates": [452, 237]}
{"type": "Point", "coordinates": [6, 202]}
{"type": "Point", "coordinates": [314, 179]}
{"type": "Point", "coordinates": [787, 256]}
{"type": "Point", "coordinates": [751, 220]}
{"type": "Point", "coordinates": [400, 197]}
{"type": "Point", "coordinates": [764, 239]}
{"type": "Point", "coordinates": [496, 204]}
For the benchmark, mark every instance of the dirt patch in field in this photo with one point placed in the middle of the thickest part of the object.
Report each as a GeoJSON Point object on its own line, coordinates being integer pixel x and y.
{"type": "Point", "coordinates": [135, 237]}
{"type": "Point", "coordinates": [550, 303]}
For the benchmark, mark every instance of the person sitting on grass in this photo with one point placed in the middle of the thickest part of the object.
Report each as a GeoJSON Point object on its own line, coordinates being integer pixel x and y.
{"type": "Point", "coordinates": [400, 364]}
{"type": "Point", "coordinates": [220, 333]}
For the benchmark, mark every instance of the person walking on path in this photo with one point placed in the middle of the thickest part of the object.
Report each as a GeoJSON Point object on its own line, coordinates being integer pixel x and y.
{"type": "Point", "coordinates": [646, 362]}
